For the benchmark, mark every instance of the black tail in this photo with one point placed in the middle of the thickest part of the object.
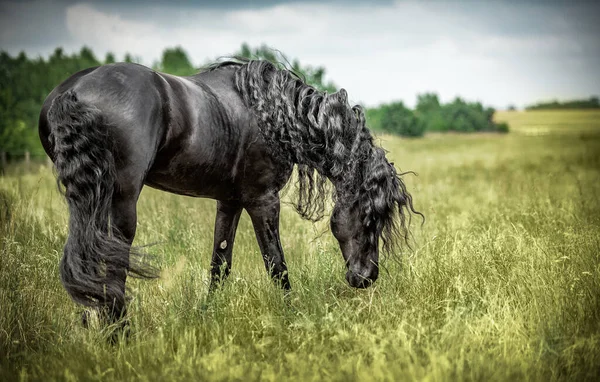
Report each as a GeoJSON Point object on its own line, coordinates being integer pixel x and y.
{"type": "Point", "coordinates": [95, 253]}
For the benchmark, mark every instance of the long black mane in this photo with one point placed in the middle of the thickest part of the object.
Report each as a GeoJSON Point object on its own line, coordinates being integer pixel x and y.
{"type": "Point", "coordinates": [327, 139]}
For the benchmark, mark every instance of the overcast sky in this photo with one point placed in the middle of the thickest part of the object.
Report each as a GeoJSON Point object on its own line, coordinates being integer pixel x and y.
{"type": "Point", "coordinates": [497, 52]}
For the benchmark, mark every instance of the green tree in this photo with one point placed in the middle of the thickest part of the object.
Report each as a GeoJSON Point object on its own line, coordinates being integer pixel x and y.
{"type": "Point", "coordinates": [429, 110]}
{"type": "Point", "coordinates": [400, 120]}
{"type": "Point", "coordinates": [16, 138]}
{"type": "Point", "coordinates": [431, 115]}
{"type": "Point", "coordinates": [373, 119]}
{"type": "Point", "coordinates": [175, 61]}
{"type": "Point", "coordinates": [87, 58]}
{"type": "Point", "coordinates": [466, 117]}
{"type": "Point", "coordinates": [110, 58]}
{"type": "Point", "coordinates": [24, 84]}
{"type": "Point", "coordinates": [428, 103]}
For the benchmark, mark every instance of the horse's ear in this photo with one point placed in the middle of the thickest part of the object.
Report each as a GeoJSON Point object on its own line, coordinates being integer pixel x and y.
{"type": "Point", "coordinates": [343, 95]}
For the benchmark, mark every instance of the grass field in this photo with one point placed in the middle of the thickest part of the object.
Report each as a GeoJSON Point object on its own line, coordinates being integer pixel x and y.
{"type": "Point", "coordinates": [502, 283]}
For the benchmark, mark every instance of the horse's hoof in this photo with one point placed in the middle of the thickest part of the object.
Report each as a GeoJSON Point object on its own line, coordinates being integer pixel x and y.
{"type": "Point", "coordinates": [85, 319]}
{"type": "Point", "coordinates": [119, 330]}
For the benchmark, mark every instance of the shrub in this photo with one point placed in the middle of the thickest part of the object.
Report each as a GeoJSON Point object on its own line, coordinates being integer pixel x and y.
{"type": "Point", "coordinates": [431, 115]}
{"type": "Point", "coordinates": [398, 119]}
{"type": "Point", "coordinates": [459, 116]}
{"type": "Point", "coordinates": [502, 127]}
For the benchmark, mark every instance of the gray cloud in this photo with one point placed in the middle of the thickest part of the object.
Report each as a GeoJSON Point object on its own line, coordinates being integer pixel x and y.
{"type": "Point", "coordinates": [33, 26]}
{"type": "Point", "coordinates": [498, 52]}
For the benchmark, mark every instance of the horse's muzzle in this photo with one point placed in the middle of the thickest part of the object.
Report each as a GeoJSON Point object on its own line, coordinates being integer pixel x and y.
{"type": "Point", "coordinates": [356, 280]}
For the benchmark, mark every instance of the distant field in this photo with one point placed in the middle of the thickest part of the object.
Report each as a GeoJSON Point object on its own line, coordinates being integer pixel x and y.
{"type": "Point", "coordinates": [551, 121]}
{"type": "Point", "coordinates": [502, 283]}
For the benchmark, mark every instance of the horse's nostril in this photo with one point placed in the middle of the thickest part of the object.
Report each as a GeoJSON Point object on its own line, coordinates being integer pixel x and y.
{"type": "Point", "coordinates": [358, 281]}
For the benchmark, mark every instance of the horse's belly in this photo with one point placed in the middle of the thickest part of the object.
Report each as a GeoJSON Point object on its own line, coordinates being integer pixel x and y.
{"type": "Point", "coordinates": [193, 180]}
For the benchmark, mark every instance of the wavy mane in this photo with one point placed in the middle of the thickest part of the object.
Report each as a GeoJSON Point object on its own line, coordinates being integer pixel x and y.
{"type": "Point", "coordinates": [327, 139]}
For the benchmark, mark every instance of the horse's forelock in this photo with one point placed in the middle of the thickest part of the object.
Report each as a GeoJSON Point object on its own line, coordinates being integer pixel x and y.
{"type": "Point", "coordinates": [385, 204]}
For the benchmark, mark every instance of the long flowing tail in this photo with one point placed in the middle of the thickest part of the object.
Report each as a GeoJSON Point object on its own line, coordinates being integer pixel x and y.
{"type": "Point", "coordinates": [95, 253]}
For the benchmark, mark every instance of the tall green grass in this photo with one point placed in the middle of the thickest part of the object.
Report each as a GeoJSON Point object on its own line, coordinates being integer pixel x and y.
{"type": "Point", "coordinates": [502, 283]}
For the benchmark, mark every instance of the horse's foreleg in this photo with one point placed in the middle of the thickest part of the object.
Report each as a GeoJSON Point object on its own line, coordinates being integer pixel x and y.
{"type": "Point", "coordinates": [226, 222]}
{"type": "Point", "coordinates": [265, 219]}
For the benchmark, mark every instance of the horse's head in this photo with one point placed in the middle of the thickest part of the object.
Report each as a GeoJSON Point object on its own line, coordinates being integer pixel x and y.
{"type": "Point", "coordinates": [377, 209]}
{"type": "Point", "coordinates": [361, 256]}
{"type": "Point", "coordinates": [327, 138]}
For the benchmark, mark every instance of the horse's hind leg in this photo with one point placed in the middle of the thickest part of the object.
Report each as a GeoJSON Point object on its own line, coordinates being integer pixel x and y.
{"type": "Point", "coordinates": [123, 224]}
{"type": "Point", "coordinates": [124, 220]}
{"type": "Point", "coordinates": [265, 219]}
{"type": "Point", "coordinates": [226, 222]}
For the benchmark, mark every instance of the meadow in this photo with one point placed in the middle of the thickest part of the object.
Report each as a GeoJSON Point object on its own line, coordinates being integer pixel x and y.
{"type": "Point", "coordinates": [502, 281]}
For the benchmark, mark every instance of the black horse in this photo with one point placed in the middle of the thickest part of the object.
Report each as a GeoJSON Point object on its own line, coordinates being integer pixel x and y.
{"type": "Point", "coordinates": [232, 133]}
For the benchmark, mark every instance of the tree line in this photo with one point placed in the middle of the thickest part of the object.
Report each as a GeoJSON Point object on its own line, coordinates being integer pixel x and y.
{"type": "Point", "coordinates": [25, 82]}
{"type": "Point", "coordinates": [432, 116]}
{"type": "Point", "coordinates": [590, 103]}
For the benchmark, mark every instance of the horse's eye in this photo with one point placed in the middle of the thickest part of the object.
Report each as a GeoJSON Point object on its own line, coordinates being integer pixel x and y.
{"type": "Point", "coordinates": [333, 222]}
{"type": "Point", "coordinates": [335, 215]}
